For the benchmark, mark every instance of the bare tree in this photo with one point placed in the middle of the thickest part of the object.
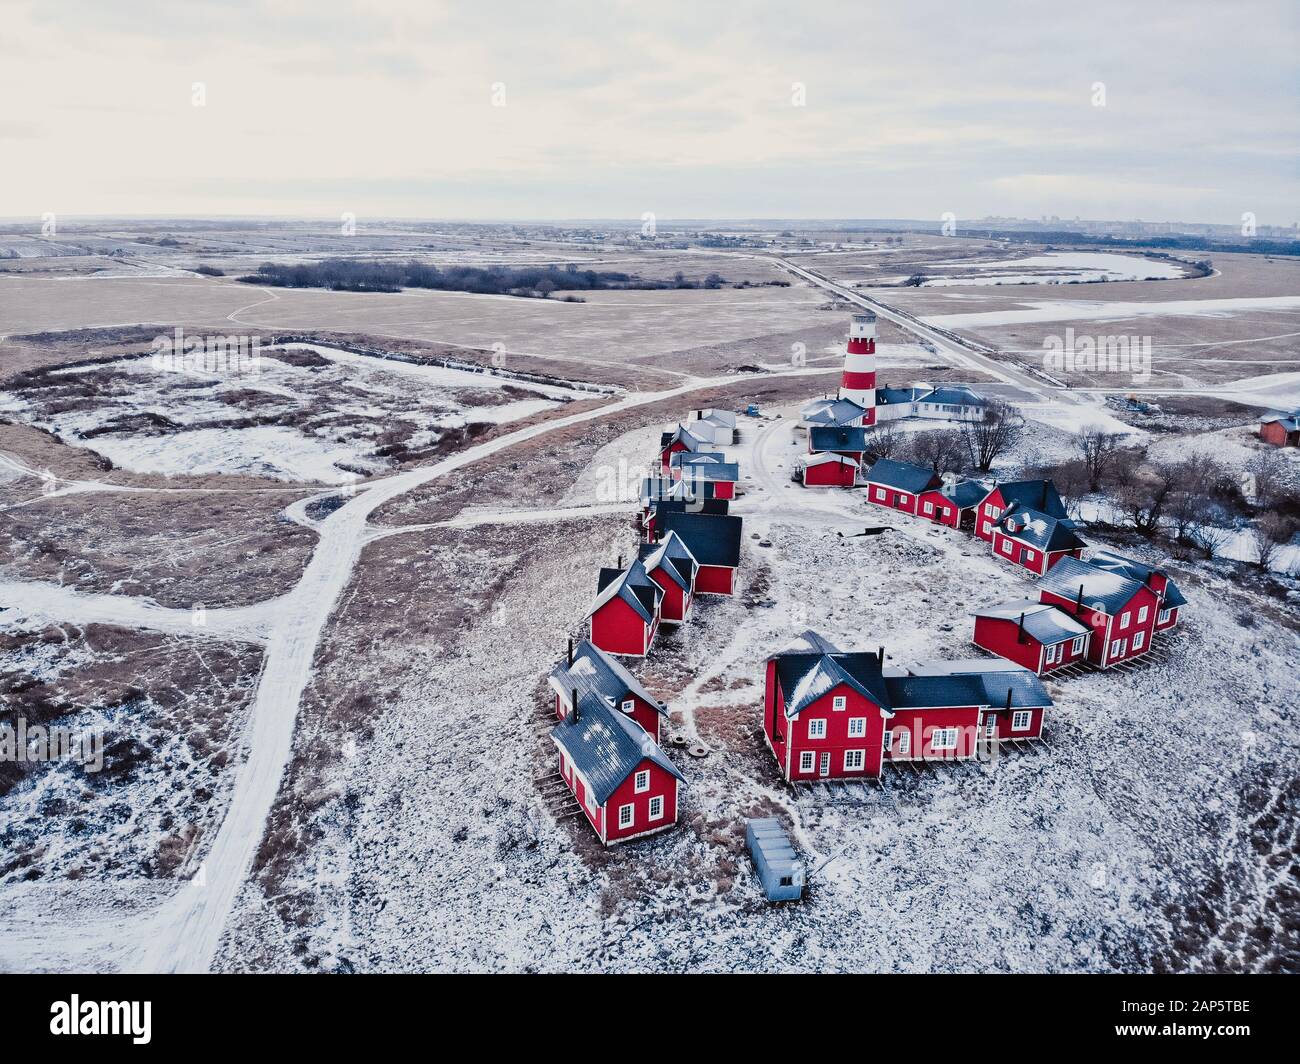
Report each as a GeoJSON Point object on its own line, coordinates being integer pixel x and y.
{"type": "Point", "coordinates": [992, 435]}
{"type": "Point", "coordinates": [883, 441]}
{"type": "Point", "coordinates": [1265, 480]}
{"type": "Point", "coordinates": [940, 449]}
{"type": "Point", "coordinates": [1211, 530]}
{"type": "Point", "coordinates": [1143, 493]}
{"type": "Point", "coordinates": [1271, 533]}
{"type": "Point", "coordinates": [1072, 481]}
{"type": "Point", "coordinates": [1098, 449]}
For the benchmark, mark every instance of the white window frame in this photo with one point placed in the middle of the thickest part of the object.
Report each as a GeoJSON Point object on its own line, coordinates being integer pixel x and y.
{"type": "Point", "coordinates": [880, 493]}
{"type": "Point", "coordinates": [807, 760]}
{"type": "Point", "coordinates": [928, 507]}
{"type": "Point", "coordinates": [1123, 620]}
{"type": "Point", "coordinates": [629, 704]}
{"type": "Point", "coordinates": [986, 528]}
{"type": "Point", "coordinates": [857, 727]}
{"type": "Point", "coordinates": [1022, 719]}
{"type": "Point", "coordinates": [641, 781]}
{"type": "Point", "coordinates": [1163, 616]}
{"type": "Point", "coordinates": [1030, 556]}
{"type": "Point", "coordinates": [1117, 648]}
{"type": "Point", "coordinates": [904, 741]}
{"type": "Point", "coordinates": [991, 726]}
{"type": "Point", "coordinates": [855, 760]}
{"type": "Point", "coordinates": [1139, 640]}
{"type": "Point", "coordinates": [1077, 646]}
{"type": "Point", "coordinates": [887, 741]}
{"type": "Point", "coordinates": [626, 815]}
{"type": "Point", "coordinates": [1006, 546]}
{"type": "Point", "coordinates": [1142, 614]}
{"type": "Point", "coordinates": [840, 703]}
{"type": "Point", "coordinates": [1053, 652]}
{"type": "Point", "coordinates": [939, 739]}
{"type": "Point", "coordinates": [817, 728]}
{"type": "Point", "coordinates": [904, 498]}
{"type": "Point", "coordinates": [657, 802]}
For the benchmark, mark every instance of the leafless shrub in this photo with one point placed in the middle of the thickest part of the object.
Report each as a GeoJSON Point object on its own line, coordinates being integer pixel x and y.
{"type": "Point", "coordinates": [991, 436]}
{"type": "Point", "coordinates": [1270, 534]}
{"type": "Point", "coordinates": [1098, 449]}
{"type": "Point", "coordinates": [942, 450]}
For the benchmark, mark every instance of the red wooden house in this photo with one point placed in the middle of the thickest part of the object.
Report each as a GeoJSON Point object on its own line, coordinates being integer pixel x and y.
{"type": "Point", "coordinates": [1039, 495]}
{"type": "Point", "coordinates": [1171, 599]}
{"type": "Point", "coordinates": [1035, 540]}
{"type": "Point", "coordinates": [834, 715]}
{"type": "Point", "coordinates": [624, 782]}
{"type": "Point", "coordinates": [1038, 636]}
{"type": "Point", "coordinates": [678, 440]}
{"type": "Point", "coordinates": [591, 673]}
{"type": "Point", "coordinates": [679, 461]}
{"type": "Point", "coordinates": [711, 480]}
{"type": "Point", "coordinates": [714, 541]}
{"type": "Point", "coordinates": [627, 612]}
{"type": "Point", "coordinates": [897, 484]}
{"type": "Point", "coordinates": [953, 504]}
{"type": "Point", "coordinates": [1281, 430]}
{"type": "Point", "coordinates": [847, 440]}
{"type": "Point", "coordinates": [674, 569]}
{"type": "Point", "coordinates": [1120, 611]}
{"type": "Point", "coordinates": [829, 470]}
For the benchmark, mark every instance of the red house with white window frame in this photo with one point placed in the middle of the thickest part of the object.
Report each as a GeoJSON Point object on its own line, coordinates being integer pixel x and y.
{"type": "Point", "coordinates": [898, 484]}
{"type": "Point", "coordinates": [1039, 495]}
{"type": "Point", "coordinates": [1035, 540]}
{"type": "Point", "coordinates": [588, 672]}
{"type": "Point", "coordinates": [627, 611]}
{"type": "Point", "coordinates": [1171, 599]}
{"type": "Point", "coordinates": [952, 504]}
{"type": "Point", "coordinates": [1035, 635]}
{"type": "Point", "coordinates": [1120, 611]}
{"type": "Point", "coordinates": [674, 568]}
{"type": "Point", "coordinates": [714, 541]}
{"type": "Point", "coordinates": [680, 439]}
{"type": "Point", "coordinates": [829, 470]}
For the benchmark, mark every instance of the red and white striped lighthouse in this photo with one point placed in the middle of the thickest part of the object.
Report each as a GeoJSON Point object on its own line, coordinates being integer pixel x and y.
{"type": "Point", "coordinates": [859, 380]}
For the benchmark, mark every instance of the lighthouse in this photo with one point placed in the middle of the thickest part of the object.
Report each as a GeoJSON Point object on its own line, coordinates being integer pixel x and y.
{"type": "Point", "coordinates": [859, 380]}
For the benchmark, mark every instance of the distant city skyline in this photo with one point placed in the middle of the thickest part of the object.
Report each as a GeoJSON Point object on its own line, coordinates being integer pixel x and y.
{"type": "Point", "coordinates": [1185, 112]}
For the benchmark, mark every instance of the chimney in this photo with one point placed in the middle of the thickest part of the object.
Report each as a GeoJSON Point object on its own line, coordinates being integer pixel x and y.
{"type": "Point", "coordinates": [570, 651]}
{"type": "Point", "coordinates": [1008, 698]}
{"type": "Point", "coordinates": [575, 706]}
{"type": "Point", "coordinates": [880, 654]}
{"type": "Point", "coordinates": [1020, 630]}
{"type": "Point", "coordinates": [1078, 606]}
{"type": "Point", "coordinates": [620, 566]}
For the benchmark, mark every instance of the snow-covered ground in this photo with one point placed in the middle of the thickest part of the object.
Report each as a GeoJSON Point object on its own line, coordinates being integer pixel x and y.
{"type": "Point", "coordinates": [1056, 267]}
{"type": "Point", "coordinates": [1109, 310]}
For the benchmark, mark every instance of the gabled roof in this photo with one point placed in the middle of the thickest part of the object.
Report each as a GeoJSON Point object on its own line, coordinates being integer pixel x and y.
{"type": "Point", "coordinates": [596, 675]}
{"type": "Point", "coordinates": [832, 412]}
{"type": "Point", "coordinates": [656, 488]}
{"type": "Point", "coordinates": [714, 539]}
{"type": "Point", "coordinates": [675, 558]}
{"type": "Point", "coordinates": [806, 676]}
{"type": "Point", "coordinates": [963, 494]}
{"type": "Point", "coordinates": [685, 458]}
{"type": "Point", "coordinates": [1039, 529]}
{"type": "Point", "coordinates": [955, 395]}
{"type": "Point", "coordinates": [724, 418]}
{"type": "Point", "coordinates": [837, 438]}
{"type": "Point", "coordinates": [727, 472]}
{"type": "Point", "coordinates": [1044, 622]}
{"type": "Point", "coordinates": [682, 504]}
{"type": "Point", "coordinates": [1102, 590]}
{"type": "Point", "coordinates": [929, 692]}
{"type": "Point", "coordinates": [895, 396]}
{"type": "Point", "coordinates": [1104, 558]}
{"type": "Point", "coordinates": [903, 476]}
{"type": "Point", "coordinates": [1290, 422]}
{"type": "Point", "coordinates": [606, 746]}
{"type": "Point", "coordinates": [683, 435]}
{"type": "Point", "coordinates": [1026, 690]}
{"type": "Point", "coordinates": [822, 457]}
{"type": "Point", "coordinates": [1040, 495]}
{"type": "Point", "coordinates": [634, 586]}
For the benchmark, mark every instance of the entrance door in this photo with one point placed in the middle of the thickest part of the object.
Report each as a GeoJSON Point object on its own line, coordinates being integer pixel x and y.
{"type": "Point", "coordinates": [825, 768]}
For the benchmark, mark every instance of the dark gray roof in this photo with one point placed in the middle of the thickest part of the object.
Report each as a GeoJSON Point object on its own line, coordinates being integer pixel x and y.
{"type": "Point", "coordinates": [1026, 690]}
{"type": "Point", "coordinates": [670, 552]}
{"type": "Point", "coordinates": [1172, 596]}
{"type": "Point", "coordinates": [606, 746]}
{"type": "Point", "coordinates": [714, 539]}
{"type": "Point", "coordinates": [633, 585]}
{"type": "Point", "coordinates": [837, 438]}
{"type": "Point", "coordinates": [964, 493]}
{"type": "Point", "coordinates": [832, 412]}
{"type": "Point", "coordinates": [712, 471]}
{"type": "Point", "coordinates": [685, 458]}
{"type": "Point", "coordinates": [806, 676]}
{"type": "Point", "coordinates": [1102, 589]}
{"type": "Point", "coordinates": [1104, 558]}
{"type": "Point", "coordinates": [895, 396]}
{"type": "Point", "coordinates": [1040, 530]}
{"type": "Point", "coordinates": [1040, 495]}
{"type": "Point", "coordinates": [1291, 422]}
{"type": "Point", "coordinates": [1043, 621]}
{"type": "Point", "coordinates": [682, 505]}
{"type": "Point", "coordinates": [924, 692]}
{"type": "Point", "coordinates": [948, 395]}
{"type": "Point", "coordinates": [596, 675]}
{"type": "Point", "coordinates": [904, 476]}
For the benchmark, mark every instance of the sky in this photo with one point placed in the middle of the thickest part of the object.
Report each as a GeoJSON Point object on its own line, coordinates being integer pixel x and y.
{"type": "Point", "coordinates": [1157, 110]}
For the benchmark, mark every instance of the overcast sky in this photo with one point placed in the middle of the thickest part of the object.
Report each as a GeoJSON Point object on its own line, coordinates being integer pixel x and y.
{"type": "Point", "coordinates": [910, 109]}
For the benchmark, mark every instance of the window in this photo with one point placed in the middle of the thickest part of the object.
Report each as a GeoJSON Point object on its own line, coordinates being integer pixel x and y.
{"type": "Point", "coordinates": [1006, 546]}
{"type": "Point", "coordinates": [628, 706]}
{"type": "Point", "coordinates": [642, 782]}
{"type": "Point", "coordinates": [1142, 614]}
{"type": "Point", "coordinates": [1116, 647]}
{"type": "Point", "coordinates": [817, 729]}
{"type": "Point", "coordinates": [806, 761]}
{"type": "Point", "coordinates": [1123, 621]}
{"type": "Point", "coordinates": [985, 528]}
{"type": "Point", "coordinates": [657, 807]}
{"type": "Point", "coordinates": [990, 509]}
{"type": "Point", "coordinates": [854, 760]}
{"type": "Point", "coordinates": [880, 493]}
{"type": "Point", "coordinates": [840, 703]}
{"type": "Point", "coordinates": [1021, 719]}
{"type": "Point", "coordinates": [943, 739]}
{"type": "Point", "coordinates": [1077, 646]}
{"type": "Point", "coordinates": [903, 498]}
{"type": "Point", "coordinates": [1052, 652]}
{"type": "Point", "coordinates": [990, 725]}
{"type": "Point", "coordinates": [928, 507]}
{"type": "Point", "coordinates": [1030, 556]}
{"type": "Point", "coordinates": [857, 727]}
{"type": "Point", "coordinates": [1139, 639]}
{"type": "Point", "coordinates": [1164, 616]}
{"type": "Point", "coordinates": [904, 741]}
{"type": "Point", "coordinates": [625, 813]}
{"type": "Point", "coordinates": [887, 740]}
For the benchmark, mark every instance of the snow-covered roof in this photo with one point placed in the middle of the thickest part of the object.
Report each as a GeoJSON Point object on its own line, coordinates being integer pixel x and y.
{"type": "Point", "coordinates": [682, 435]}
{"type": "Point", "coordinates": [721, 472]}
{"type": "Point", "coordinates": [904, 476]}
{"type": "Point", "coordinates": [964, 494]}
{"type": "Point", "coordinates": [1104, 558]}
{"type": "Point", "coordinates": [724, 418]}
{"type": "Point", "coordinates": [675, 558]}
{"type": "Point", "coordinates": [606, 747]}
{"type": "Point", "coordinates": [634, 586]}
{"type": "Point", "coordinates": [832, 412]}
{"type": "Point", "coordinates": [1290, 422]}
{"type": "Point", "coordinates": [822, 457]}
{"type": "Point", "coordinates": [685, 458]}
{"type": "Point", "coordinates": [989, 687]}
{"type": "Point", "coordinates": [1102, 590]}
{"type": "Point", "coordinates": [596, 675]}
{"type": "Point", "coordinates": [837, 438]}
{"type": "Point", "coordinates": [1044, 622]}
{"type": "Point", "coordinates": [1040, 530]}
{"type": "Point", "coordinates": [1040, 495]}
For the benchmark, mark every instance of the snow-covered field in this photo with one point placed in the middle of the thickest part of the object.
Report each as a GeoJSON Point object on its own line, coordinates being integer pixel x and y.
{"type": "Point", "coordinates": [1057, 267]}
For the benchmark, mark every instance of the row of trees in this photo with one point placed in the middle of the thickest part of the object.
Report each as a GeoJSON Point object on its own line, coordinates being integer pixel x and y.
{"type": "Point", "coordinates": [971, 448]}
{"type": "Point", "coordinates": [358, 275]}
